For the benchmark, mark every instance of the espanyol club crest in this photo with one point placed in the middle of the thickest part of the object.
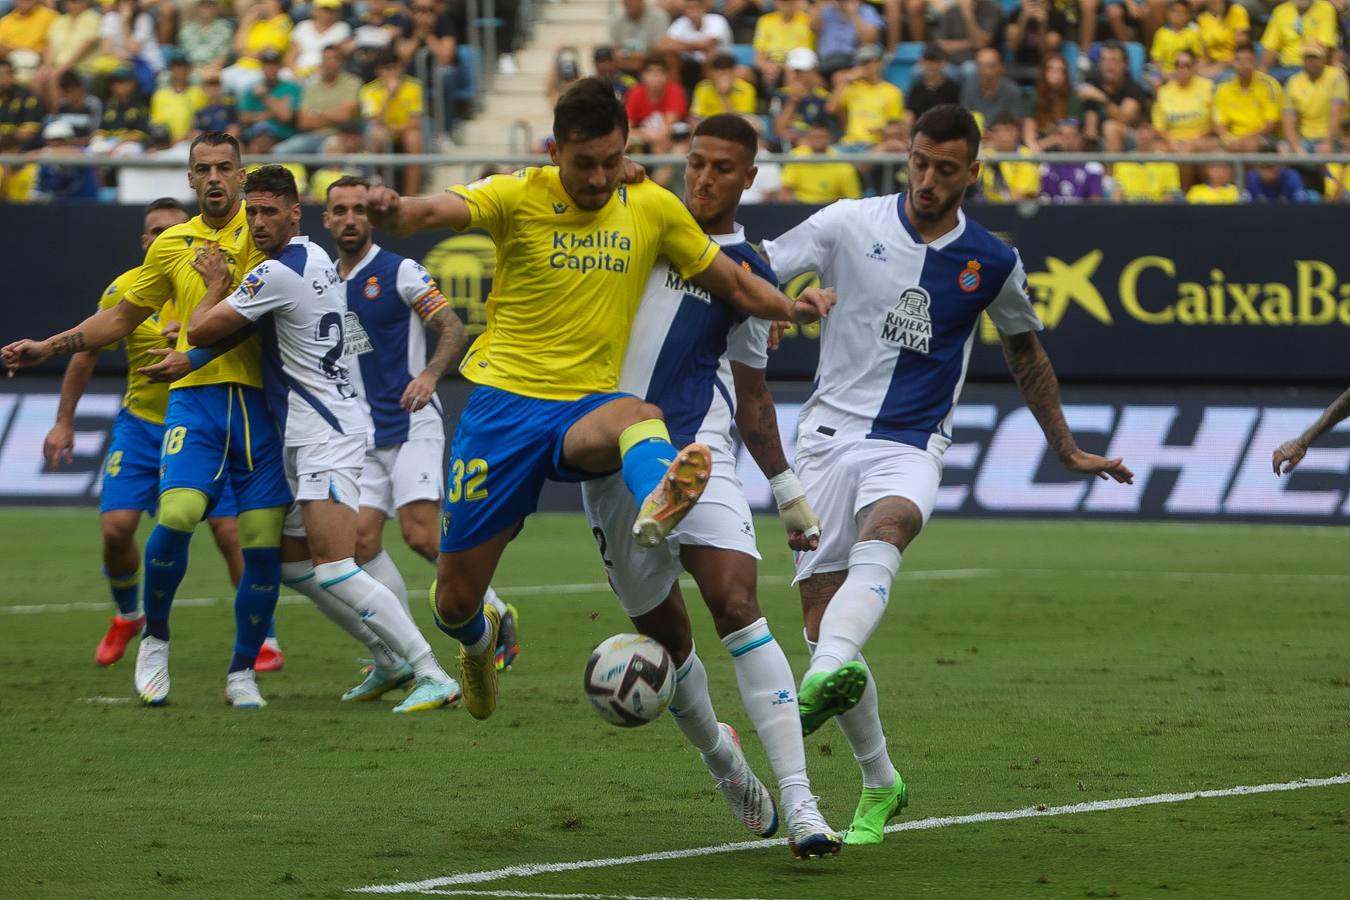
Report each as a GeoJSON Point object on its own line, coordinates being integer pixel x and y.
{"type": "Point", "coordinates": [372, 288]}
{"type": "Point", "coordinates": [969, 279]}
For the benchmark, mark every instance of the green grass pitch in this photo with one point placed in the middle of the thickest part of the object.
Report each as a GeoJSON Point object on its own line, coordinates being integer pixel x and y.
{"type": "Point", "coordinates": [1020, 664]}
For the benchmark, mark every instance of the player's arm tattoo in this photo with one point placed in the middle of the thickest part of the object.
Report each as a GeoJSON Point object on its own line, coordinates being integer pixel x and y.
{"type": "Point", "coordinates": [757, 420]}
{"type": "Point", "coordinates": [449, 340]}
{"type": "Point", "coordinates": [1035, 378]}
{"type": "Point", "coordinates": [1330, 418]}
{"type": "Point", "coordinates": [68, 343]}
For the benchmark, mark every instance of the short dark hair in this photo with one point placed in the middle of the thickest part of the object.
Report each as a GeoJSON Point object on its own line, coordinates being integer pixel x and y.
{"type": "Point", "coordinates": [347, 181]}
{"type": "Point", "coordinates": [166, 203]}
{"type": "Point", "coordinates": [588, 110]}
{"type": "Point", "coordinates": [68, 78]}
{"type": "Point", "coordinates": [730, 127]}
{"type": "Point", "coordinates": [216, 139]}
{"type": "Point", "coordinates": [655, 61]}
{"type": "Point", "coordinates": [272, 179]}
{"type": "Point", "coordinates": [1115, 46]}
{"type": "Point", "coordinates": [949, 122]}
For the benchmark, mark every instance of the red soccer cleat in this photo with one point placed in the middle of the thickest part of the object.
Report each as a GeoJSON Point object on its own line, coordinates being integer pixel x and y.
{"type": "Point", "coordinates": [270, 658]}
{"type": "Point", "coordinates": [114, 643]}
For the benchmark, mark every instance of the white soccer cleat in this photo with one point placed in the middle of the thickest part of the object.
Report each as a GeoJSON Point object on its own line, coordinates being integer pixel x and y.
{"type": "Point", "coordinates": [749, 799]}
{"type": "Point", "coordinates": [809, 835]}
{"type": "Point", "coordinates": [241, 690]}
{"type": "Point", "coordinates": [152, 671]}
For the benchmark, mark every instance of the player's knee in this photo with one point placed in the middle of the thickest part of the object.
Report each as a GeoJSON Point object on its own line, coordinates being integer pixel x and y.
{"type": "Point", "coordinates": [368, 546]}
{"type": "Point", "coordinates": [456, 601]}
{"type": "Point", "coordinates": [735, 607]}
{"type": "Point", "coordinates": [261, 527]}
{"type": "Point", "coordinates": [119, 533]}
{"type": "Point", "coordinates": [181, 508]}
{"type": "Point", "coordinates": [647, 411]}
{"type": "Point", "coordinates": [421, 540]}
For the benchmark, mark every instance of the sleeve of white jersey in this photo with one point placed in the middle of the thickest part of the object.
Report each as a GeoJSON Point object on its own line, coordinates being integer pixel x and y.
{"type": "Point", "coordinates": [271, 287]}
{"type": "Point", "coordinates": [418, 290]}
{"type": "Point", "coordinates": [748, 343]}
{"type": "Point", "coordinates": [1011, 310]}
{"type": "Point", "coordinates": [807, 247]}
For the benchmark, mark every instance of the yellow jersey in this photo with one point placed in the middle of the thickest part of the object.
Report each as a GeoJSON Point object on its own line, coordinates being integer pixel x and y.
{"type": "Point", "coordinates": [175, 110]}
{"type": "Point", "coordinates": [1168, 43]}
{"type": "Point", "coordinates": [144, 398]}
{"type": "Point", "coordinates": [1219, 35]}
{"type": "Point", "coordinates": [776, 37]}
{"type": "Point", "coordinates": [1287, 32]}
{"type": "Point", "coordinates": [707, 102]}
{"type": "Point", "coordinates": [265, 34]}
{"type": "Point", "coordinates": [167, 276]}
{"type": "Point", "coordinates": [1312, 100]}
{"type": "Point", "coordinates": [1222, 195]}
{"type": "Point", "coordinates": [568, 281]}
{"type": "Point", "coordinates": [868, 108]}
{"type": "Point", "coordinates": [1147, 182]}
{"type": "Point", "coordinates": [27, 32]}
{"type": "Point", "coordinates": [1009, 182]}
{"type": "Point", "coordinates": [822, 182]}
{"type": "Point", "coordinates": [1248, 110]}
{"type": "Point", "coordinates": [399, 112]}
{"type": "Point", "coordinates": [1184, 113]}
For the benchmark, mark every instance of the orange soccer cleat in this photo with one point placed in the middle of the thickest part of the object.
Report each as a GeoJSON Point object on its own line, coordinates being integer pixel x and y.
{"type": "Point", "coordinates": [114, 643]}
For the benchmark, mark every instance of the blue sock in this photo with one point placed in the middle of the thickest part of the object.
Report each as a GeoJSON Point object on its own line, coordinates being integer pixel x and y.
{"type": "Point", "coordinates": [469, 632]}
{"type": "Point", "coordinates": [645, 460]}
{"type": "Point", "coordinates": [254, 603]}
{"type": "Point", "coordinates": [126, 593]}
{"type": "Point", "coordinates": [166, 557]}
{"type": "Point", "coordinates": [272, 628]}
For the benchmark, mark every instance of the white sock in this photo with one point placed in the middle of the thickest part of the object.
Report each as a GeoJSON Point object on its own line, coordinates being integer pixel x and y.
{"type": "Point", "coordinates": [770, 697]}
{"type": "Point", "coordinates": [856, 608]}
{"type": "Point", "coordinates": [383, 570]}
{"type": "Point", "coordinates": [380, 610]}
{"type": "Point", "coordinates": [862, 729]}
{"type": "Point", "coordinates": [693, 712]}
{"type": "Point", "coordinates": [299, 577]}
{"type": "Point", "coordinates": [491, 599]}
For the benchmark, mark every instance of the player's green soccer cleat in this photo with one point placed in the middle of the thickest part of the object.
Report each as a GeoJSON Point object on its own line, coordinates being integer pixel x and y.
{"type": "Point", "coordinates": [430, 694]}
{"type": "Point", "coordinates": [825, 695]}
{"type": "Point", "coordinates": [508, 640]}
{"type": "Point", "coordinates": [380, 681]}
{"type": "Point", "coordinates": [876, 807]}
{"type": "Point", "coordinates": [478, 672]}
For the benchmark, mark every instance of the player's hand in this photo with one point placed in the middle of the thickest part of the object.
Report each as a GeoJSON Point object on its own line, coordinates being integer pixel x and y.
{"type": "Point", "coordinates": [23, 353]}
{"type": "Point", "coordinates": [211, 265]}
{"type": "Point", "coordinates": [172, 365]}
{"type": "Point", "coordinates": [812, 305]}
{"type": "Point", "coordinates": [776, 332]}
{"type": "Point", "coordinates": [418, 393]}
{"type": "Point", "coordinates": [633, 173]}
{"type": "Point", "coordinates": [59, 446]}
{"type": "Point", "coordinates": [801, 522]}
{"type": "Point", "coordinates": [1103, 468]}
{"type": "Point", "coordinates": [1288, 455]}
{"type": "Point", "coordinates": [170, 331]}
{"type": "Point", "coordinates": [383, 204]}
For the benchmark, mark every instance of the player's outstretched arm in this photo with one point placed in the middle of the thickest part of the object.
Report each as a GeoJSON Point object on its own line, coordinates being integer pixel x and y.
{"type": "Point", "coordinates": [754, 296]}
{"type": "Point", "coordinates": [107, 326]}
{"type": "Point", "coordinates": [1290, 453]}
{"type": "Point", "coordinates": [59, 445]}
{"type": "Point", "coordinates": [408, 215]}
{"type": "Point", "coordinates": [1036, 380]}
{"type": "Point", "coordinates": [757, 422]}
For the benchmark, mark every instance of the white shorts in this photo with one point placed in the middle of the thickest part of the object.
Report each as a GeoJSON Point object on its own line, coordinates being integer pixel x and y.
{"type": "Point", "coordinates": [404, 473]}
{"type": "Point", "coordinates": [330, 471]}
{"type": "Point", "coordinates": [642, 578]}
{"type": "Point", "coordinates": [842, 476]}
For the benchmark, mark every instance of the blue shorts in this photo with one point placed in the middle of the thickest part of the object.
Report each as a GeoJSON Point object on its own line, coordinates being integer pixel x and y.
{"type": "Point", "coordinates": [131, 468]}
{"type": "Point", "coordinates": [219, 435]}
{"type": "Point", "coordinates": [504, 449]}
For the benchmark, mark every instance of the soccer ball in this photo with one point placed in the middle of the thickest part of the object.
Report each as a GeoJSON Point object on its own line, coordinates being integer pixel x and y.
{"type": "Point", "coordinates": [630, 680]}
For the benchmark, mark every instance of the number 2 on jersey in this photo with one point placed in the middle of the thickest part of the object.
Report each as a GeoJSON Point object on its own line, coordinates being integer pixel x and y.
{"type": "Point", "coordinates": [470, 488]}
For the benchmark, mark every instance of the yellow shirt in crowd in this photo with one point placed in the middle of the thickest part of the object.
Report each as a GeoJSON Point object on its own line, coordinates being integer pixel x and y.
{"type": "Point", "coordinates": [175, 110]}
{"type": "Point", "coordinates": [776, 38]}
{"type": "Point", "coordinates": [1248, 110]}
{"type": "Point", "coordinates": [1168, 43]}
{"type": "Point", "coordinates": [868, 107]}
{"type": "Point", "coordinates": [407, 102]}
{"type": "Point", "coordinates": [1204, 194]}
{"type": "Point", "coordinates": [27, 32]}
{"type": "Point", "coordinates": [1287, 32]}
{"type": "Point", "coordinates": [1312, 100]}
{"type": "Point", "coordinates": [1147, 182]}
{"type": "Point", "coordinates": [1219, 35]}
{"type": "Point", "coordinates": [265, 34]}
{"type": "Point", "coordinates": [822, 182]}
{"type": "Point", "coordinates": [1008, 182]}
{"type": "Point", "coordinates": [1184, 112]}
{"type": "Point", "coordinates": [707, 102]}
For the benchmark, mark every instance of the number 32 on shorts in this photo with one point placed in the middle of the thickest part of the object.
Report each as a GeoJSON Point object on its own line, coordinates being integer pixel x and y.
{"type": "Point", "coordinates": [466, 480]}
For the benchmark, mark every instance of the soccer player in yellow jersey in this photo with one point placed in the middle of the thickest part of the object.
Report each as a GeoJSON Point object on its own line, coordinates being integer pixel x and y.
{"type": "Point", "coordinates": [574, 249]}
{"type": "Point", "coordinates": [131, 466]}
{"type": "Point", "coordinates": [217, 427]}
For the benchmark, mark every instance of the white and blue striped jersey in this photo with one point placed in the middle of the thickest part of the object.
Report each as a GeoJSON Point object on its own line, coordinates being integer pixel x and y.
{"type": "Point", "coordinates": [894, 351]}
{"type": "Point", "coordinates": [309, 388]}
{"type": "Point", "coordinates": [390, 296]}
{"type": "Point", "coordinates": [682, 346]}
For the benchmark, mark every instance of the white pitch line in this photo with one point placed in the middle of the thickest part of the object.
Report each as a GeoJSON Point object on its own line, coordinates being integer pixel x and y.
{"type": "Point", "coordinates": [92, 606]}
{"type": "Point", "coordinates": [1032, 812]}
{"type": "Point", "coordinates": [478, 893]}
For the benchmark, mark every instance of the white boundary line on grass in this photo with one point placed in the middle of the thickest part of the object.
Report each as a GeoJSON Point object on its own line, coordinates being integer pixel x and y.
{"type": "Point", "coordinates": [530, 869]}
{"type": "Point", "coordinates": [478, 893]}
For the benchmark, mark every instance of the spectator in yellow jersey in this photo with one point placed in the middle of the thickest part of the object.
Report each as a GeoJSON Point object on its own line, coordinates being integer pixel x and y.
{"type": "Point", "coordinates": [1178, 35]}
{"type": "Point", "coordinates": [1218, 187]}
{"type": "Point", "coordinates": [1224, 26]}
{"type": "Point", "coordinates": [23, 35]}
{"type": "Point", "coordinates": [1248, 107]}
{"type": "Point", "coordinates": [1314, 107]}
{"type": "Point", "coordinates": [1008, 182]}
{"type": "Point", "coordinates": [864, 101]}
{"type": "Point", "coordinates": [72, 44]}
{"type": "Point", "coordinates": [175, 105]}
{"type": "Point", "coordinates": [1292, 25]}
{"type": "Point", "coordinates": [1146, 182]}
{"type": "Point", "coordinates": [777, 34]}
{"type": "Point", "coordinates": [722, 91]}
{"type": "Point", "coordinates": [263, 27]}
{"type": "Point", "coordinates": [819, 183]}
{"type": "Point", "coordinates": [392, 107]}
{"type": "Point", "coordinates": [1184, 111]}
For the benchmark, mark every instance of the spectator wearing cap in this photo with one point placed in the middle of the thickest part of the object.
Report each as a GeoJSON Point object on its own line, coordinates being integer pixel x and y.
{"type": "Point", "coordinates": [695, 36]}
{"type": "Point", "coordinates": [76, 107]}
{"type": "Point", "coordinates": [328, 100]}
{"type": "Point", "coordinates": [565, 72]}
{"type": "Point", "coordinates": [1120, 102]}
{"type": "Point", "coordinates": [1178, 35]}
{"type": "Point", "coordinates": [1053, 101]}
{"type": "Point", "coordinates": [1273, 183]}
{"type": "Point", "coordinates": [990, 94]}
{"type": "Point", "coordinates": [58, 183]}
{"type": "Point", "coordinates": [72, 45]}
{"type": "Point", "coordinates": [635, 31]}
{"type": "Point", "coordinates": [220, 112]}
{"type": "Point", "coordinates": [1224, 26]}
{"type": "Point", "coordinates": [1314, 106]}
{"type": "Point", "coordinates": [20, 109]}
{"type": "Point", "coordinates": [1248, 107]}
{"type": "Point", "coordinates": [1035, 29]}
{"type": "Point", "coordinates": [128, 39]}
{"type": "Point", "coordinates": [607, 67]}
{"type": "Point", "coordinates": [655, 105]}
{"type": "Point", "coordinates": [1183, 114]}
{"type": "Point", "coordinates": [819, 183]}
{"type": "Point", "coordinates": [1076, 181]}
{"type": "Point", "coordinates": [175, 105]}
{"type": "Point", "coordinates": [863, 100]}
{"type": "Point", "coordinates": [841, 27]}
{"type": "Point", "coordinates": [802, 101]}
{"type": "Point", "coordinates": [126, 118]}
{"type": "Point", "coordinates": [324, 28]}
{"type": "Point", "coordinates": [1293, 25]}
{"type": "Point", "coordinates": [722, 91]}
{"type": "Point", "coordinates": [1008, 181]}
{"type": "Point", "coordinates": [23, 35]}
{"type": "Point", "coordinates": [270, 104]}
{"type": "Point", "coordinates": [777, 34]}
{"type": "Point", "coordinates": [1217, 188]}
{"type": "Point", "coordinates": [427, 49]}
{"type": "Point", "coordinates": [392, 107]}
{"type": "Point", "coordinates": [206, 39]}
{"type": "Point", "coordinates": [932, 87]}
{"type": "Point", "coordinates": [1147, 182]}
{"type": "Point", "coordinates": [962, 32]}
